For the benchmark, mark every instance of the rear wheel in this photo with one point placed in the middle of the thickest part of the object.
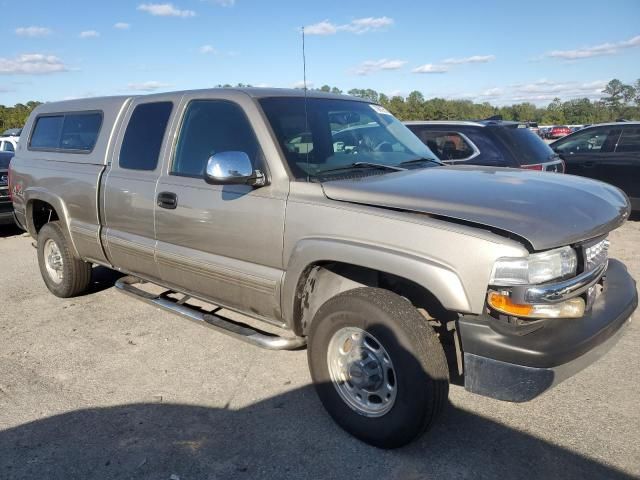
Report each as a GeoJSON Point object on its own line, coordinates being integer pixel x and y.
{"type": "Point", "coordinates": [377, 366]}
{"type": "Point", "coordinates": [63, 274]}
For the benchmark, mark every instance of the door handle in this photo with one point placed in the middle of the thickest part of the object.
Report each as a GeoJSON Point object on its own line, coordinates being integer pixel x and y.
{"type": "Point", "coordinates": [589, 164]}
{"type": "Point", "coordinates": [167, 200]}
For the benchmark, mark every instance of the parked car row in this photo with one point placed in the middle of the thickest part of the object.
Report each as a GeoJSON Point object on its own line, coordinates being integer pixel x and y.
{"type": "Point", "coordinates": [494, 143]}
{"type": "Point", "coordinates": [327, 217]}
{"type": "Point", "coordinates": [609, 152]}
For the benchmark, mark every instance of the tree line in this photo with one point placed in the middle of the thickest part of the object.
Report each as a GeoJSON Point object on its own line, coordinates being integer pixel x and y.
{"type": "Point", "coordinates": [619, 101]}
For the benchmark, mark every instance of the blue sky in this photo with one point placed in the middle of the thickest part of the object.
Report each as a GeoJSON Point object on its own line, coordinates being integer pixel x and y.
{"type": "Point", "coordinates": [501, 52]}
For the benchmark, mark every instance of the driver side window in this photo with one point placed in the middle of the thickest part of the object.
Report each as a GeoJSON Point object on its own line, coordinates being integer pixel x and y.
{"type": "Point", "coordinates": [210, 127]}
{"type": "Point", "coordinates": [593, 140]}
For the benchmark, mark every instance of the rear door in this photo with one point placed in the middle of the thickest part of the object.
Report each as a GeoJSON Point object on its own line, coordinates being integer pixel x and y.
{"type": "Point", "coordinates": [583, 151]}
{"type": "Point", "coordinates": [622, 167]}
{"type": "Point", "coordinates": [130, 187]}
{"type": "Point", "coordinates": [223, 243]}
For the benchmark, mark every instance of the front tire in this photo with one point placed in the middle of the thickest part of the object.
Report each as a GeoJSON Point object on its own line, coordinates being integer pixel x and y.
{"type": "Point", "coordinates": [63, 274]}
{"type": "Point", "coordinates": [378, 367]}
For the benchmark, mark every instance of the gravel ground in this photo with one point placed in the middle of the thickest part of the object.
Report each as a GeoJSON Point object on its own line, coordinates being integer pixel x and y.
{"type": "Point", "coordinates": [105, 386]}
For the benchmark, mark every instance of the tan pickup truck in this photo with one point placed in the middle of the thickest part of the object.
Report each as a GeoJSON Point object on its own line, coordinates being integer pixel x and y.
{"type": "Point", "coordinates": [324, 216]}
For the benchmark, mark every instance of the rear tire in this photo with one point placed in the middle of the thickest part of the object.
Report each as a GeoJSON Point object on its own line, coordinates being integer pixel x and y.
{"type": "Point", "coordinates": [63, 274]}
{"type": "Point", "coordinates": [397, 382]}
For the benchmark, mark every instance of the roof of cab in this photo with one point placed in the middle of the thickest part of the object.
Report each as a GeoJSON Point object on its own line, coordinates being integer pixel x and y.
{"type": "Point", "coordinates": [254, 92]}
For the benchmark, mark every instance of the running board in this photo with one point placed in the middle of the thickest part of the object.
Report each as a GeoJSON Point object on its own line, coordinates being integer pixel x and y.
{"type": "Point", "coordinates": [229, 327]}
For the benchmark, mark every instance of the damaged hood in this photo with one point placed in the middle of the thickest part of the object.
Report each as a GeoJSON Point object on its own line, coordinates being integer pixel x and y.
{"type": "Point", "coordinates": [546, 209]}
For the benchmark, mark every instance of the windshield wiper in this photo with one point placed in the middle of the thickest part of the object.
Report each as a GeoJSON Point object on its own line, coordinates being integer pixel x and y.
{"type": "Point", "coordinates": [421, 160]}
{"type": "Point", "coordinates": [363, 165]}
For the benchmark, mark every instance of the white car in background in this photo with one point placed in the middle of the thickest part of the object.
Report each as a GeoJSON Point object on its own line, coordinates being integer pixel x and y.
{"type": "Point", "coordinates": [9, 144]}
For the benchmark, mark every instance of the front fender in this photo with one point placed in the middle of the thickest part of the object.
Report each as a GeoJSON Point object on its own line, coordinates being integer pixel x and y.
{"type": "Point", "coordinates": [440, 280]}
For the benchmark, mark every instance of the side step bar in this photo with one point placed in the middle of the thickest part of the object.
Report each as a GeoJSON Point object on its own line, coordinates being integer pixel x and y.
{"type": "Point", "coordinates": [229, 327]}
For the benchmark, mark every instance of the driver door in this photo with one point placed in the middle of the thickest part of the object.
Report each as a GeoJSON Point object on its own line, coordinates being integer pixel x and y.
{"type": "Point", "coordinates": [222, 243]}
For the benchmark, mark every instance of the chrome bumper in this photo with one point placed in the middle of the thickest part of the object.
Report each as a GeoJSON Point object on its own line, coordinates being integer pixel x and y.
{"type": "Point", "coordinates": [559, 291]}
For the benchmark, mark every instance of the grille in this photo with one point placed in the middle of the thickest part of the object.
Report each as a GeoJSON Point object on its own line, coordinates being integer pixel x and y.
{"type": "Point", "coordinates": [596, 254]}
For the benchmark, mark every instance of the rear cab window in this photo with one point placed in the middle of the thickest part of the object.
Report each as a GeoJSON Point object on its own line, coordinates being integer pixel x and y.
{"type": "Point", "coordinates": [144, 135]}
{"type": "Point", "coordinates": [73, 132]}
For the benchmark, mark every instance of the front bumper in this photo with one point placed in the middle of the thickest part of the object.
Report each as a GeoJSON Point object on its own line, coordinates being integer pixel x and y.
{"type": "Point", "coordinates": [512, 366]}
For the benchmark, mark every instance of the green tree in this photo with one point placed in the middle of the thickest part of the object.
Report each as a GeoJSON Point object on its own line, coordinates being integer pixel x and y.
{"type": "Point", "coordinates": [618, 94]}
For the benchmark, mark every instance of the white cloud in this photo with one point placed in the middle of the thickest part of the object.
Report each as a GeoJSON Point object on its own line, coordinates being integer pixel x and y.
{"type": "Point", "coordinates": [225, 3]}
{"type": "Point", "coordinates": [149, 86]}
{"type": "Point", "coordinates": [540, 92]}
{"type": "Point", "coordinates": [31, 64]}
{"type": "Point", "coordinates": [431, 68]}
{"type": "Point", "coordinates": [472, 59]}
{"type": "Point", "coordinates": [596, 50]}
{"type": "Point", "coordinates": [491, 92]}
{"type": "Point", "coordinates": [300, 84]}
{"type": "Point", "coordinates": [359, 25]}
{"type": "Point", "coordinates": [33, 31]}
{"type": "Point", "coordinates": [89, 34]}
{"type": "Point", "coordinates": [363, 25]}
{"type": "Point", "coordinates": [446, 64]}
{"type": "Point", "coordinates": [321, 28]}
{"type": "Point", "coordinates": [371, 66]}
{"type": "Point", "coordinates": [569, 89]}
{"type": "Point", "coordinates": [165, 10]}
{"type": "Point", "coordinates": [207, 49]}
{"type": "Point", "coordinates": [122, 26]}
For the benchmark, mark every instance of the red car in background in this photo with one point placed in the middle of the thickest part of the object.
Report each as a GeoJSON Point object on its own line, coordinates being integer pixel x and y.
{"type": "Point", "coordinates": [559, 131]}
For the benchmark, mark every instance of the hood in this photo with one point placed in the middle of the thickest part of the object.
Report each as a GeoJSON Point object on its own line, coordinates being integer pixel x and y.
{"type": "Point", "coordinates": [546, 209]}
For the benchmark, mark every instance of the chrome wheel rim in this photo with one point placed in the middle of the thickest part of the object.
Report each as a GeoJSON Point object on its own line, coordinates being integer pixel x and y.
{"type": "Point", "coordinates": [53, 261]}
{"type": "Point", "coordinates": [362, 372]}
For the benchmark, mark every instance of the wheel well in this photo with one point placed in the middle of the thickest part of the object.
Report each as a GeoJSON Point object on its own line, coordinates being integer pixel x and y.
{"type": "Point", "coordinates": [321, 281]}
{"type": "Point", "coordinates": [40, 213]}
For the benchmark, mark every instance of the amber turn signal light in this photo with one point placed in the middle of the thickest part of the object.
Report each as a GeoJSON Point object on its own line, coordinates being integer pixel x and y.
{"type": "Point", "coordinates": [503, 304]}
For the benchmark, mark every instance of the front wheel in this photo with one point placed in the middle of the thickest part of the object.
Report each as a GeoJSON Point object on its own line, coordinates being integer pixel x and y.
{"type": "Point", "coordinates": [377, 366]}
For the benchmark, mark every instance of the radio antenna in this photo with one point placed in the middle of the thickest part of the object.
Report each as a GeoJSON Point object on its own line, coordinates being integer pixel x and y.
{"type": "Point", "coordinates": [306, 115]}
{"type": "Point", "coordinates": [304, 64]}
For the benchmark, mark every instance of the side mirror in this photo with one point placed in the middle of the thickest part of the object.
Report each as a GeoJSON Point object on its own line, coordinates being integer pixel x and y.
{"type": "Point", "coordinates": [232, 168]}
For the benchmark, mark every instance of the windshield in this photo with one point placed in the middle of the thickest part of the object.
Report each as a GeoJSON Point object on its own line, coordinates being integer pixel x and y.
{"type": "Point", "coordinates": [525, 146]}
{"type": "Point", "coordinates": [336, 135]}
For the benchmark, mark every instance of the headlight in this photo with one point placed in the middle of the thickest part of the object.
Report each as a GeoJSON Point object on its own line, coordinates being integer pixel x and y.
{"type": "Point", "coordinates": [536, 268]}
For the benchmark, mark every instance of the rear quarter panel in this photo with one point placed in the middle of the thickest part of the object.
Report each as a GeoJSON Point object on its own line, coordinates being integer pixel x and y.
{"type": "Point", "coordinates": [70, 182]}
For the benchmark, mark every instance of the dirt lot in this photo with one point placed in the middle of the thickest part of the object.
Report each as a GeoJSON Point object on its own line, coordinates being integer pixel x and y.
{"type": "Point", "coordinates": [105, 386]}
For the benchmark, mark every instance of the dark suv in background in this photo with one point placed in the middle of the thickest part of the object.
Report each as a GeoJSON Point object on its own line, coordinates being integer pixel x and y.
{"type": "Point", "coordinates": [609, 152]}
{"type": "Point", "coordinates": [6, 207]}
{"type": "Point", "coordinates": [495, 143]}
